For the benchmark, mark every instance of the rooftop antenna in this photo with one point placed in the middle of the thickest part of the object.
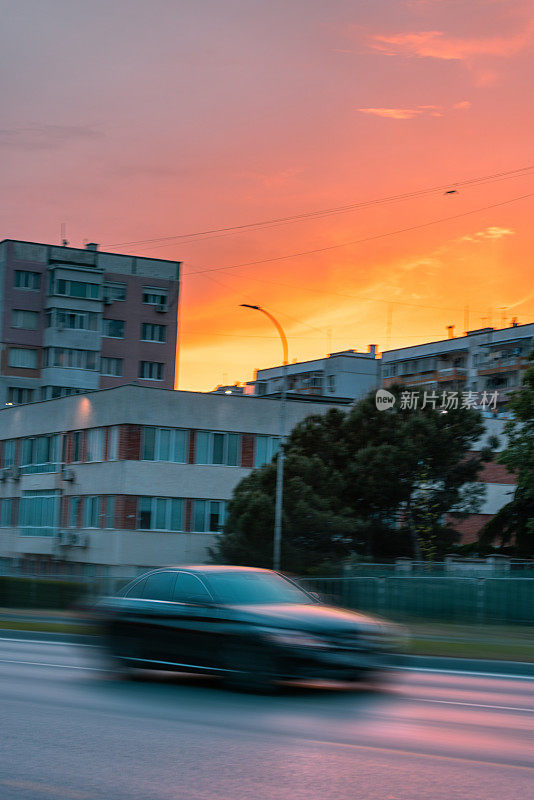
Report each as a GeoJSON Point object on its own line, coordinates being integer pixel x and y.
{"type": "Point", "coordinates": [63, 234]}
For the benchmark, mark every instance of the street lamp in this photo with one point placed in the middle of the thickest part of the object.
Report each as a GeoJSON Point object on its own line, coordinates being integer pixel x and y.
{"type": "Point", "coordinates": [277, 543]}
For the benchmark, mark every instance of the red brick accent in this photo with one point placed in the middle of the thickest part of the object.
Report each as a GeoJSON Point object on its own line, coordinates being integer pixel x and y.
{"type": "Point", "coordinates": [2, 453]}
{"type": "Point", "coordinates": [130, 442]}
{"type": "Point", "coordinates": [126, 512]}
{"type": "Point", "coordinates": [496, 473]}
{"type": "Point", "coordinates": [192, 449]}
{"type": "Point", "coordinates": [248, 447]}
{"type": "Point", "coordinates": [64, 511]}
{"type": "Point", "coordinates": [83, 448]}
{"type": "Point", "coordinates": [106, 443]}
{"type": "Point", "coordinates": [469, 528]}
{"type": "Point", "coordinates": [188, 514]}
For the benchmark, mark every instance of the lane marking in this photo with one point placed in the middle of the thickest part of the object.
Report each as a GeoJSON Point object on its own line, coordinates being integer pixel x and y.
{"type": "Point", "coordinates": [398, 751]}
{"type": "Point", "coordinates": [464, 672]}
{"type": "Point", "coordinates": [57, 666]}
{"type": "Point", "coordinates": [470, 705]}
{"type": "Point", "coordinates": [44, 641]}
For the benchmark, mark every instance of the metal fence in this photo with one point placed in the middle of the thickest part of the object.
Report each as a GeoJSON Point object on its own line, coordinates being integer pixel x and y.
{"type": "Point", "coordinates": [451, 599]}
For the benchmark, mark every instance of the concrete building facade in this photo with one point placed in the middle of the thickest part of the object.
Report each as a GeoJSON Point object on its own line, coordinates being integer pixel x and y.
{"type": "Point", "coordinates": [484, 360]}
{"type": "Point", "coordinates": [74, 320]}
{"type": "Point", "coordinates": [340, 377]}
{"type": "Point", "coordinates": [132, 477]}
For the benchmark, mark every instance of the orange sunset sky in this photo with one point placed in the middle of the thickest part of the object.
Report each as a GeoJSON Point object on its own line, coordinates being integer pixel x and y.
{"type": "Point", "coordinates": [131, 120]}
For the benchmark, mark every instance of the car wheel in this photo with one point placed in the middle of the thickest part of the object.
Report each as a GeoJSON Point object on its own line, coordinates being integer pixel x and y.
{"type": "Point", "coordinates": [250, 669]}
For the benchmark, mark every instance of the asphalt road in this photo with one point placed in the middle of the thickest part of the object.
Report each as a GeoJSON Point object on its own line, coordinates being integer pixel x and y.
{"type": "Point", "coordinates": [68, 730]}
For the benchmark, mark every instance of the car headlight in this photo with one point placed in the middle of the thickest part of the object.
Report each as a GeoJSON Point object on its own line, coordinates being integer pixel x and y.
{"type": "Point", "coordinates": [294, 638]}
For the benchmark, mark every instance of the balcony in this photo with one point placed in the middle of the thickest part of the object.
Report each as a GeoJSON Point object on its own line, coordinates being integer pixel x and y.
{"type": "Point", "coordinates": [494, 366]}
{"type": "Point", "coordinates": [452, 374]}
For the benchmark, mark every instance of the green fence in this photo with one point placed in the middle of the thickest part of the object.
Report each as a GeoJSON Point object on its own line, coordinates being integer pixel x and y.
{"type": "Point", "coordinates": [31, 592]}
{"type": "Point", "coordinates": [454, 599]}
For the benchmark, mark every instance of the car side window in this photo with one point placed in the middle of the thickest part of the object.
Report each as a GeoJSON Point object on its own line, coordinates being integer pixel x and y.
{"type": "Point", "coordinates": [159, 586]}
{"type": "Point", "coordinates": [137, 589]}
{"type": "Point", "coordinates": [190, 589]}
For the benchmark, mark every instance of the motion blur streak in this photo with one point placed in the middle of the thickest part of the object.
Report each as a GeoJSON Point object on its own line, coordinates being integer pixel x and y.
{"type": "Point", "coordinates": [68, 728]}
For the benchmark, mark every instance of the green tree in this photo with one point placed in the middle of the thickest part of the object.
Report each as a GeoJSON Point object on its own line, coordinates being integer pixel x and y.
{"type": "Point", "coordinates": [513, 525]}
{"type": "Point", "coordinates": [351, 487]}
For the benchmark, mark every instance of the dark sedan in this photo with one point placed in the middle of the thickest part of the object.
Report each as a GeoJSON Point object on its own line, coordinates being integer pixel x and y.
{"type": "Point", "coordinates": [251, 626]}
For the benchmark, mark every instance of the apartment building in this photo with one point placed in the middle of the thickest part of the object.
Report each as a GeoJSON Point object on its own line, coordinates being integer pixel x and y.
{"type": "Point", "coordinates": [485, 360]}
{"type": "Point", "coordinates": [340, 377]}
{"type": "Point", "coordinates": [74, 320]}
{"type": "Point", "coordinates": [126, 478]}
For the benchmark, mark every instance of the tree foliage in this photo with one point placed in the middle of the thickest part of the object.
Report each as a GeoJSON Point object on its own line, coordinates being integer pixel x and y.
{"type": "Point", "coordinates": [364, 482]}
{"type": "Point", "coordinates": [513, 525]}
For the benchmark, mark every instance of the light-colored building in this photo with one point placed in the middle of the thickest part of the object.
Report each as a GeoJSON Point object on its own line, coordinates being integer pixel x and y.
{"type": "Point", "coordinates": [487, 359]}
{"type": "Point", "coordinates": [73, 320]}
{"type": "Point", "coordinates": [340, 377]}
{"type": "Point", "coordinates": [121, 479]}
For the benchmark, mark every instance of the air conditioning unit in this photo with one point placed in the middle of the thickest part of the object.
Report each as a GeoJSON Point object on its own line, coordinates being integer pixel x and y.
{"type": "Point", "coordinates": [161, 308]}
{"type": "Point", "coordinates": [107, 300]}
{"type": "Point", "coordinates": [15, 473]}
{"type": "Point", "coordinates": [67, 474]}
{"type": "Point", "coordinates": [79, 539]}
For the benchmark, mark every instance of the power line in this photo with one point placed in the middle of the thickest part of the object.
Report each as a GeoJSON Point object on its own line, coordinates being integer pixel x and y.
{"type": "Point", "coordinates": [521, 171]}
{"type": "Point", "coordinates": [361, 241]}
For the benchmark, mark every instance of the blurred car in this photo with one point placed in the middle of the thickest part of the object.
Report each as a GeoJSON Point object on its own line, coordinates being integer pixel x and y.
{"type": "Point", "coordinates": [251, 626]}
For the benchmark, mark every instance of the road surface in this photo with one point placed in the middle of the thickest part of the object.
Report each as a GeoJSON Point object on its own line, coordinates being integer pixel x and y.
{"type": "Point", "coordinates": [69, 730]}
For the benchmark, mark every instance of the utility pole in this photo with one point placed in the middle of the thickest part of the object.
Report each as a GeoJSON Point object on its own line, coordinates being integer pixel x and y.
{"type": "Point", "coordinates": [277, 539]}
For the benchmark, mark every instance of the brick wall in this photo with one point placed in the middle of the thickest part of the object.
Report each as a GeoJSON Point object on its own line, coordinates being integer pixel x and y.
{"type": "Point", "coordinates": [130, 442]}
{"type": "Point", "coordinates": [247, 450]}
{"type": "Point", "coordinates": [125, 512]}
{"type": "Point", "coordinates": [469, 528]}
{"type": "Point", "coordinates": [191, 451]}
{"type": "Point", "coordinates": [496, 473]}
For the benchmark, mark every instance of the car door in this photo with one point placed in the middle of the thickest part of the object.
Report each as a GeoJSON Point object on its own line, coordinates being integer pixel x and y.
{"type": "Point", "coordinates": [152, 613]}
{"type": "Point", "coordinates": [197, 621]}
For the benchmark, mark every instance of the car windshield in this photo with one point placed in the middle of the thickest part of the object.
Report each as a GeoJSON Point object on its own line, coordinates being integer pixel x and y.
{"type": "Point", "coordinates": [254, 588]}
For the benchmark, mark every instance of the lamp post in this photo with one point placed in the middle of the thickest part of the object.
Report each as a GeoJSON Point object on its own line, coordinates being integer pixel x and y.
{"type": "Point", "coordinates": [277, 542]}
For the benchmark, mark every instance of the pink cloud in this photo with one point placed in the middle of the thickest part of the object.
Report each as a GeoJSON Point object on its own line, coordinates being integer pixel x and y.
{"type": "Point", "coordinates": [416, 111]}
{"type": "Point", "coordinates": [436, 44]}
{"type": "Point", "coordinates": [392, 113]}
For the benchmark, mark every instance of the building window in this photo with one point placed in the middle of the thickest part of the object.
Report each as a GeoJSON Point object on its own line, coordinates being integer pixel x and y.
{"type": "Point", "coordinates": [151, 370]}
{"type": "Point", "coordinates": [331, 383]}
{"type": "Point", "coordinates": [39, 454]}
{"type": "Point", "coordinates": [90, 291]}
{"type": "Point", "coordinates": [114, 291]}
{"type": "Point", "coordinates": [91, 511]}
{"type": "Point", "coordinates": [6, 512]}
{"type": "Point", "coordinates": [77, 446]}
{"type": "Point", "coordinates": [69, 358]}
{"type": "Point", "coordinates": [109, 519]}
{"type": "Point", "coordinates": [17, 396]}
{"type": "Point", "coordinates": [27, 280]}
{"type": "Point", "coordinates": [217, 448]}
{"type": "Point", "coordinates": [111, 366]}
{"type": "Point", "coordinates": [95, 444]}
{"type": "Point", "coordinates": [113, 443]}
{"type": "Point", "coordinates": [39, 513]}
{"type": "Point", "coordinates": [153, 333]}
{"type": "Point", "coordinates": [10, 446]}
{"type": "Point", "coordinates": [22, 358]}
{"type": "Point", "coordinates": [27, 320]}
{"type": "Point", "coordinates": [164, 444]}
{"type": "Point", "coordinates": [261, 387]}
{"type": "Point", "coordinates": [161, 513]}
{"type": "Point", "coordinates": [266, 449]}
{"type": "Point", "coordinates": [72, 320]}
{"type": "Point", "coordinates": [73, 511]}
{"type": "Point", "coordinates": [208, 515]}
{"type": "Point", "coordinates": [154, 297]}
{"type": "Point", "coordinates": [114, 328]}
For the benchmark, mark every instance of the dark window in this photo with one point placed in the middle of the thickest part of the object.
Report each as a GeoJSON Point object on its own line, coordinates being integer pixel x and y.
{"type": "Point", "coordinates": [189, 589]}
{"type": "Point", "coordinates": [159, 586]}
{"type": "Point", "coordinates": [114, 328]}
{"type": "Point", "coordinates": [137, 589]}
{"type": "Point", "coordinates": [77, 446]}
